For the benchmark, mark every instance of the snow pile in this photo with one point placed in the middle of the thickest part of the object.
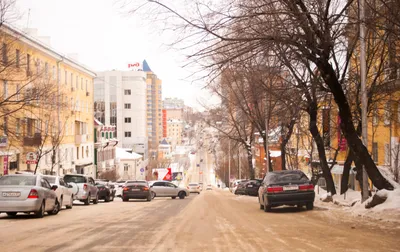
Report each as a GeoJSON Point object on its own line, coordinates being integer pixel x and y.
{"type": "Point", "coordinates": [348, 199]}
{"type": "Point", "coordinates": [388, 210]}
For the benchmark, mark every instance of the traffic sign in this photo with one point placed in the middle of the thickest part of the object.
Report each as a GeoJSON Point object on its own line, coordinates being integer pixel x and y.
{"type": "Point", "coordinates": [141, 169]}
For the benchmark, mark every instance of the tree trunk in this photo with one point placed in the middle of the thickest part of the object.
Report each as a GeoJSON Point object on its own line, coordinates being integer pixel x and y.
{"type": "Point", "coordinates": [250, 162]}
{"type": "Point", "coordinates": [355, 144]}
{"type": "Point", "coordinates": [344, 184]}
{"type": "Point", "coordinates": [284, 142]}
{"type": "Point", "coordinates": [312, 111]}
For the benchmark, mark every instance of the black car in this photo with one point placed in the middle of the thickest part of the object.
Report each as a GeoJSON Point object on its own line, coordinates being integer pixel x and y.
{"type": "Point", "coordinates": [137, 190]}
{"type": "Point", "coordinates": [105, 193]}
{"type": "Point", "coordinates": [252, 187]}
{"type": "Point", "coordinates": [241, 188]}
{"type": "Point", "coordinates": [286, 188]}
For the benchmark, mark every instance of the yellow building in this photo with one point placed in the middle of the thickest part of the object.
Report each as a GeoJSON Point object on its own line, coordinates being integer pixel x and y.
{"type": "Point", "coordinates": [154, 104]}
{"type": "Point", "coordinates": [47, 107]}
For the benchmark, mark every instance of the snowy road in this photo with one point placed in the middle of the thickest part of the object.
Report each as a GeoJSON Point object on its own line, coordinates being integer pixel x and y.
{"type": "Point", "coordinates": [212, 221]}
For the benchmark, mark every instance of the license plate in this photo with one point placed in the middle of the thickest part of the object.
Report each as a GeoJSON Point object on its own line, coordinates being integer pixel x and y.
{"type": "Point", "coordinates": [135, 190]}
{"type": "Point", "coordinates": [250, 186]}
{"type": "Point", "coordinates": [11, 194]}
{"type": "Point", "coordinates": [291, 188]}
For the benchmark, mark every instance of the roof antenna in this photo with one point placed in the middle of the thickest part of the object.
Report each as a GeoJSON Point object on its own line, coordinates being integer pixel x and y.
{"type": "Point", "coordinates": [29, 15]}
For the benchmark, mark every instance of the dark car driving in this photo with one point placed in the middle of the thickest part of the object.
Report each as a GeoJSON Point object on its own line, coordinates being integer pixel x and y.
{"type": "Point", "coordinates": [105, 193]}
{"type": "Point", "coordinates": [137, 190]}
{"type": "Point", "coordinates": [252, 187]}
{"type": "Point", "coordinates": [286, 188]}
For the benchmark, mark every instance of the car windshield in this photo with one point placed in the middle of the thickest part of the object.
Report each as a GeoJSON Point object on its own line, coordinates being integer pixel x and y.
{"type": "Point", "coordinates": [287, 177]}
{"type": "Point", "coordinates": [136, 181]}
{"type": "Point", "coordinates": [74, 179]}
{"type": "Point", "coordinates": [50, 179]}
{"type": "Point", "coordinates": [18, 180]}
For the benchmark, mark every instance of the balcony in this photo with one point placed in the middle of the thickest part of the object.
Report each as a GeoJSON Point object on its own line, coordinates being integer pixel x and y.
{"type": "Point", "coordinates": [34, 140]}
{"type": "Point", "coordinates": [80, 139]}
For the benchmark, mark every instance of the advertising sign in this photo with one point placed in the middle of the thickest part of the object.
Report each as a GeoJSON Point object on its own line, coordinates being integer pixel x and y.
{"type": "Point", "coordinates": [177, 176]}
{"type": "Point", "coordinates": [3, 141]}
{"type": "Point", "coordinates": [5, 165]}
{"type": "Point", "coordinates": [31, 158]}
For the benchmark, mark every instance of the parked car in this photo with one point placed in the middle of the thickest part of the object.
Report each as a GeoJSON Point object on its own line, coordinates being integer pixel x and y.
{"type": "Point", "coordinates": [194, 188]}
{"type": "Point", "coordinates": [241, 188]}
{"type": "Point", "coordinates": [167, 189]}
{"type": "Point", "coordinates": [201, 186]}
{"type": "Point", "coordinates": [137, 190]}
{"type": "Point", "coordinates": [110, 189]}
{"type": "Point", "coordinates": [63, 191]}
{"type": "Point", "coordinates": [27, 193]}
{"type": "Point", "coordinates": [252, 187]}
{"type": "Point", "coordinates": [83, 188]}
{"type": "Point", "coordinates": [118, 188]}
{"type": "Point", "coordinates": [234, 185]}
{"type": "Point", "coordinates": [209, 187]}
{"type": "Point", "coordinates": [104, 192]}
{"type": "Point", "coordinates": [286, 188]}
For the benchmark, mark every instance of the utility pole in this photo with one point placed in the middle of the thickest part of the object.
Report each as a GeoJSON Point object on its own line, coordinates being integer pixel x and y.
{"type": "Point", "coordinates": [364, 101]}
{"type": "Point", "coordinates": [240, 165]}
{"type": "Point", "coordinates": [229, 164]}
{"type": "Point", "coordinates": [266, 134]}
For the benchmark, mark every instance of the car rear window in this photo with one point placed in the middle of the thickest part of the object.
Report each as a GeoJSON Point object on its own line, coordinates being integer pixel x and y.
{"type": "Point", "coordinates": [287, 177]}
{"type": "Point", "coordinates": [18, 180]}
{"type": "Point", "coordinates": [51, 180]}
{"type": "Point", "coordinates": [74, 179]}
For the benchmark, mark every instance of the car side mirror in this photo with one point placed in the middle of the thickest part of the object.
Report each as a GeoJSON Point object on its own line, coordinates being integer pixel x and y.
{"type": "Point", "coordinates": [70, 186]}
{"type": "Point", "coordinates": [151, 186]}
{"type": "Point", "coordinates": [54, 187]}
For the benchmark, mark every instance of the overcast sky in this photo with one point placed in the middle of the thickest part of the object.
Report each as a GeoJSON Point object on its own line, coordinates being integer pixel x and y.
{"type": "Point", "coordinates": [106, 38]}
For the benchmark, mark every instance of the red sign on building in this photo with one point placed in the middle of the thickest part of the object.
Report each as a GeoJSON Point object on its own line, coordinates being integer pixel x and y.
{"type": "Point", "coordinates": [342, 142]}
{"type": "Point", "coordinates": [5, 165]}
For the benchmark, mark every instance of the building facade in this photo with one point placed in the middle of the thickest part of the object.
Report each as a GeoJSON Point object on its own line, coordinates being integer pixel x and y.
{"type": "Point", "coordinates": [52, 115]}
{"type": "Point", "coordinates": [175, 132]}
{"type": "Point", "coordinates": [120, 101]}
{"type": "Point", "coordinates": [154, 127]}
{"type": "Point", "coordinates": [173, 103]}
{"type": "Point", "coordinates": [104, 147]}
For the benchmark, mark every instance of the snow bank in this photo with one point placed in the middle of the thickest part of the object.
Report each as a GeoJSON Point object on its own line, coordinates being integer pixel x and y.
{"type": "Point", "coordinates": [388, 176]}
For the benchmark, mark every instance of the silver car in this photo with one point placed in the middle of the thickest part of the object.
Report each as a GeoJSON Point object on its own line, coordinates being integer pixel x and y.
{"type": "Point", "coordinates": [167, 189]}
{"type": "Point", "coordinates": [27, 193]}
{"type": "Point", "coordinates": [83, 188]}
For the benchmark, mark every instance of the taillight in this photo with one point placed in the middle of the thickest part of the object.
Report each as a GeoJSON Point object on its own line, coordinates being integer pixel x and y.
{"type": "Point", "coordinates": [275, 189]}
{"type": "Point", "coordinates": [126, 188]}
{"type": "Point", "coordinates": [85, 187]}
{"type": "Point", "coordinates": [198, 187]}
{"type": "Point", "coordinates": [306, 187]}
{"type": "Point", "coordinates": [188, 187]}
{"type": "Point", "coordinates": [145, 188]}
{"type": "Point", "coordinates": [33, 194]}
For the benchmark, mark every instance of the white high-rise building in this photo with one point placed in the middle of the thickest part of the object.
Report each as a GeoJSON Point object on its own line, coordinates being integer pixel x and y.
{"type": "Point", "coordinates": [120, 100]}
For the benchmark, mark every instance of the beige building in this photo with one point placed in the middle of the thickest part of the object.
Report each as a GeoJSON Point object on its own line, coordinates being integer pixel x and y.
{"type": "Point", "coordinates": [153, 111]}
{"type": "Point", "coordinates": [52, 129]}
{"type": "Point", "coordinates": [174, 113]}
{"type": "Point", "coordinates": [175, 132]}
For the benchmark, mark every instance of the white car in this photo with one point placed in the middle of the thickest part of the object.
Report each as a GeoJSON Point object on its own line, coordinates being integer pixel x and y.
{"type": "Point", "coordinates": [209, 187]}
{"type": "Point", "coordinates": [167, 189]}
{"type": "Point", "coordinates": [194, 188]}
{"type": "Point", "coordinates": [234, 185]}
{"type": "Point", "coordinates": [64, 194]}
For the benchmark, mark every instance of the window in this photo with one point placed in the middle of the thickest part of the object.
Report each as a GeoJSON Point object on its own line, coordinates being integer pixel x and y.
{"type": "Point", "coordinates": [387, 113]}
{"type": "Point", "coordinates": [83, 156]}
{"type": "Point", "coordinates": [387, 154]}
{"type": "Point", "coordinates": [86, 86]}
{"type": "Point", "coordinates": [127, 92]}
{"type": "Point", "coordinates": [46, 69]}
{"type": "Point", "coordinates": [5, 125]}
{"type": "Point", "coordinates": [4, 52]}
{"type": "Point", "coordinates": [72, 79]}
{"type": "Point", "coordinates": [77, 152]}
{"type": "Point", "coordinates": [375, 119]}
{"type": "Point", "coordinates": [18, 126]}
{"type": "Point", "coordinates": [127, 120]}
{"type": "Point", "coordinates": [127, 134]}
{"type": "Point", "coordinates": [81, 83]}
{"type": "Point", "coordinates": [87, 151]}
{"type": "Point", "coordinates": [66, 77]}
{"type": "Point", "coordinates": [17, 53]}
{"type": "Point", "coordinates": [127, 106]}
{"type": "Point", "coordinates": [54, 72]}
{"type": "Point", "coordinates": [45, 184]}
{"type": "Point", "coordinates": [5, 89]}
{"type": "Point", "coordinates": [126, 167]}
{"type": "Point", "coordinates": [77, 82]}
{"type": "Point", "coordinates": [59, 76]}
{"type": "Point", "coordinates": [375, 152]}
{"type": "Point", "coordinates": [28, 64]}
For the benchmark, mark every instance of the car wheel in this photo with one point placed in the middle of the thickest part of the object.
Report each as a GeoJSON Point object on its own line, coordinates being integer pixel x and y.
{"type": "Point", "coordinates": [267, 208]}
{"type": "Point", "coordinates": [96, 200]}
{"type": "Point", "coordinates": [310, 206]}
{"type": "Point", "coordinates": [261, 205]}
{"type": "Point", "coordinates": [153, 195]}
{"type": "Point", "coordinates": [299, 206]}
{"type": "Point", "coordinates": [182, 195]}
{"type": "Point", "coordinates": [11, 214]}
{"type": "Point", "coordinates": [107, 198]}
{"type": "Point", "coordinates": [72, 203]}
{"type": "Point", "coordinates": [112, 197]}
{"type": "Point", "coordinates": [149, 197]}
{"type": "Point", "coordinates": [56, 209]}
{"type": "Point", "coordinates": [173, 197]}
{"type": "Point", "coordinates": [40, 212]}
{"type": "Point", "coordinates": [125, 199]}
{"type": "Point", "coordinates": [87, 201]}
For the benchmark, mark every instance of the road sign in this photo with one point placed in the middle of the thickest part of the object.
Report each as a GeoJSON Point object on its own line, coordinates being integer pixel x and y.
{"type": "Point", "coordinates": [31, 158]}
{"type": "Point", "coordinates": [141, 169]}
